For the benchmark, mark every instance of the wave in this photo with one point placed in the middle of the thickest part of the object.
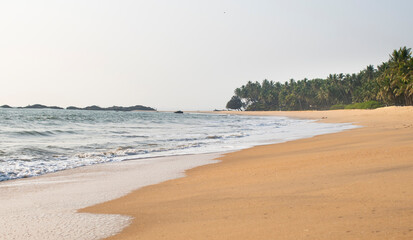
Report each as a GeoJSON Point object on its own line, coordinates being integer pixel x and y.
{"type": "Point", "coordinates": [32, 145]}
{"type": "Point", "coordinates": [136, 136]}
{"type": "Point", "coordinates": [37, 151]}
{"type": "Point", "coordinates": [47, 133]}
{"type": "Point", "coordinates": [25, 166]}
{"type": "Point", "coordinates": [208, 137]}
{"type": "Point", "coordinates": [214, 137]}
{"type": "Point", "coordinates": [34, 133]}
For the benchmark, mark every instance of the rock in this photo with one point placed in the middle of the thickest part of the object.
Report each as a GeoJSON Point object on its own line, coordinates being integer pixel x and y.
{"type": "Point", "coordinates": [114, 108]}
{"type": "Point", "coordinates": [73, 108]}
{"type": "Point", "coordinates": [40, 106]}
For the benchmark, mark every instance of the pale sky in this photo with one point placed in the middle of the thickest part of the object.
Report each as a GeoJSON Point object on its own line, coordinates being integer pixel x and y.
{"type": "Point", "coordinates": [185, 54]}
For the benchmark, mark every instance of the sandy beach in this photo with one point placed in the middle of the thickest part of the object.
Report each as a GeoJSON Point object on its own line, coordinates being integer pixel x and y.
{"type": "Point", "coordinates": [356, 184]}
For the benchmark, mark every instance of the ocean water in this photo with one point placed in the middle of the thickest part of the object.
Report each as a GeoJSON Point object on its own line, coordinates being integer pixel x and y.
{"type": "Point", "coordinates": [39, 141]}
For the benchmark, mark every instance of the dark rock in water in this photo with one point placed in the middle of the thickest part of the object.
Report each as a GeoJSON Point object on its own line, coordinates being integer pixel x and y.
{"type": "Point", "coordinates": [179, 111]}
{"type": "Point", "coordinates": [131, 108]}
{"type": "Point", "coordinates": [35, 106]}
{"type": "Point", "coordinates": [114, 108]}
{"type": "Point", "coordinates": [5, 106]}
{"type": "Point", "coordinates": [40, 106]}
{"type": "Point", "coordinates": [55, 107]}
{"type": "Point", "coordinates": [73, 108]}
{"type": "Point", "coordinates": [94, 107]}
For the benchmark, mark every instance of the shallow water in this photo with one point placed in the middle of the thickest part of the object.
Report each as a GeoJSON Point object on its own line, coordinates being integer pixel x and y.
{"type": "Point", "coordinates": [38, 141]}
{"type": "Point", "coordinates": [44, 208]}
{"type": "Point", "coordinates": [35, 142]}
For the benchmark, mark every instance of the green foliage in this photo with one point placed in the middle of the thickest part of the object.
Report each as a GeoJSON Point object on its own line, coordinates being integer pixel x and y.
{"type": "Point", "coordinates": [363, 105]}
{"type": "Point", "coordinates": [338, 106]}
{"type": "Point", "coordinates": [390, 84]}
{"type": "Point", "coordinates": [234, 103]}
{"type": "Point", "coordinates": [396, 80]}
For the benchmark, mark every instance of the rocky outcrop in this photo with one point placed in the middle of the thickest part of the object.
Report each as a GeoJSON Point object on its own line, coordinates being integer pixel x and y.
{"type": "Point", "coordinates": [40, 106]}
{"type": "Point", "coordinates": [92, 108]}
{"type": "Point", "coordinates": [114, 108]}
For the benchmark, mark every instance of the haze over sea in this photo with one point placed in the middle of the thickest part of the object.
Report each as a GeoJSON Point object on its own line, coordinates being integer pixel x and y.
{"type": "Point", "coordinates": [39, 141]}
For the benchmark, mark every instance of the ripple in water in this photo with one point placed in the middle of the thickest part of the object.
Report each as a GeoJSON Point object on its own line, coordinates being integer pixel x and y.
{"type": "Point", "coordinates": [39, 141]}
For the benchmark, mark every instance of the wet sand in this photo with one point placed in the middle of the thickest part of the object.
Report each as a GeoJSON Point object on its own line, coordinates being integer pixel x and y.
{"type": "Point", "coordinates": [44, 207]}
{"type": "Point", "coordinates": [356, 184]}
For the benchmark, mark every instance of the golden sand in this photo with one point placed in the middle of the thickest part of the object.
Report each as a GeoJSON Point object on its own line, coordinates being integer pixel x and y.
{"type": "Point", "coordinates": [356, 184]}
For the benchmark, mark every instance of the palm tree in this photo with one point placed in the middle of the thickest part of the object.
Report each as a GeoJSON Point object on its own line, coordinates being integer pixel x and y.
{"type": "Point", "coordinates": [390, 83]}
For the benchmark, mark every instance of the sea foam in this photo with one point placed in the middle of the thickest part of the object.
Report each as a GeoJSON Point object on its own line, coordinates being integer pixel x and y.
{"type": "Point", "coordinates": [45, 207]}
{"type": "Point", "coordinates": [40, 141]}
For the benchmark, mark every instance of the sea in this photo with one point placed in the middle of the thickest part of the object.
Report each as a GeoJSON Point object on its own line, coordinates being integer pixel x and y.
{"type": "Point", "coordinates": [34, 142]}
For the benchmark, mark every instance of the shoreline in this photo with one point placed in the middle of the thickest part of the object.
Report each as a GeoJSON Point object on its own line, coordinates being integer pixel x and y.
{"type": "Point", "coordinates": [65, 144]}
{"type": "Point", "coordinates": [340, 186]}
{"type": "Point", "coordinates": [45, 207]}
{"type": "Point", "coordinates": [38, 203]}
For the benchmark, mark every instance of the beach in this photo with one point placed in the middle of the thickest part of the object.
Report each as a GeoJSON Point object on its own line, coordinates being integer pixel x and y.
{"type": "Point", "coordinates": [68, 160]}
{"type": "Point", "coordinates": [206, 120]}
{"type": "Point", "coordinates": [45, 207]}
{"type": "Point", "coordinates": [355, 184]}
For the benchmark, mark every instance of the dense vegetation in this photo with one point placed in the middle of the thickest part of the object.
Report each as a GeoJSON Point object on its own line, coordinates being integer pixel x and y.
{"type": "Point", "coordinates": [391, 83]}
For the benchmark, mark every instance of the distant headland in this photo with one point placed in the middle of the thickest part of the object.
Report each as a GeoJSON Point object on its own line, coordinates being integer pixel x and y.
{"type": "Point", "coordinates": [93, 108]}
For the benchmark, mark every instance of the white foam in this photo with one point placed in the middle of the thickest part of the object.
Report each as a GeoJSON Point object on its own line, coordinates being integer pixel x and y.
{"type": "Point", "coordinates": [45, 207]}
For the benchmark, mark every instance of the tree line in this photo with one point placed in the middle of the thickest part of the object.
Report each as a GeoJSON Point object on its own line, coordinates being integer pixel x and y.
{"type": "Point", "coordinates": [391, 83]}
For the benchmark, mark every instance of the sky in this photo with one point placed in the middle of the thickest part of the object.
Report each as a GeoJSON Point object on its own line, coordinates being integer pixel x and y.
{"type": "Point", "coordinates": [185, 54]}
